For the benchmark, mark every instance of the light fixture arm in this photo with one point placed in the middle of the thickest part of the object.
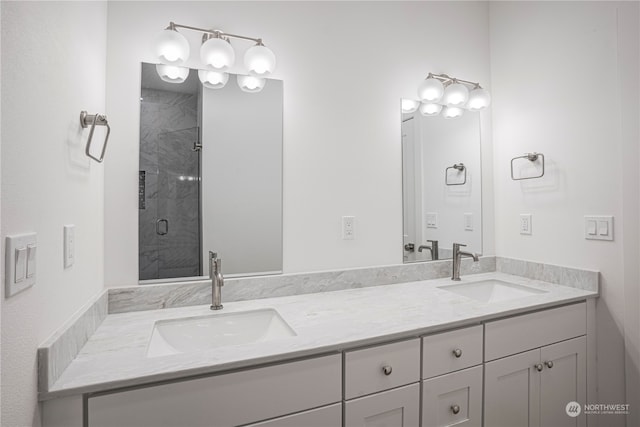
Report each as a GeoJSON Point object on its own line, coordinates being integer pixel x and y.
{"type": "Point", "coordinates": [447, 80]}
{"type": "Point", "coordinates": [214, 33]}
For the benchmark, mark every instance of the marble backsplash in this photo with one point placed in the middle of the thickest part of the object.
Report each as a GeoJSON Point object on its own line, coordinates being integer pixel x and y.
{"type": "Point", "coordinates": [152, 297]}
{"type": "Point", "coordinates": [588, 280]}
{"type": "Point", "coordinates": [55, 354]}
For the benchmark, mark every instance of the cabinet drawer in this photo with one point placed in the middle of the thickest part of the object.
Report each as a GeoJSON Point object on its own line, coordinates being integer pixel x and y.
{"type": "Point", "coordinates": [224, 400]}
{"type": "Point", "coordinates": [398, 408]}
{"type": "Point", "coordinates": [365, 369]}
{"type": "Point", "coordinates": [522, 333]}
{"type": "Point", "coordinates": [321, 417]}
{"type": "Point", "coordinates": [453, 399]}
{"type": "Point", "coordinates": [451, 351]}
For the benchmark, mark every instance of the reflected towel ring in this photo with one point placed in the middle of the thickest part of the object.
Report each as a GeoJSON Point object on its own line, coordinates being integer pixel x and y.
{"type": "Point", "coordinates": [94, 120]}
{"type": "Point", "coordinates": [460, 167]}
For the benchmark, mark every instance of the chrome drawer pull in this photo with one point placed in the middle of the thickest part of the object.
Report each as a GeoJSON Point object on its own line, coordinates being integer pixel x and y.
{"type": "Point", "coordinates": [538, 367]}
{"type": "Point", "coordinates": [455, 409]}
{"type": "Point", "coordinates": [387, 370]}
{"type": "Point", "coordinates": [457, 353]}
{"type": "Point", "coordinates": [549, 364]}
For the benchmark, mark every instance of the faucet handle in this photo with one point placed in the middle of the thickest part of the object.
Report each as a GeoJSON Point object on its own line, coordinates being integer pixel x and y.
{"type": "Point", "coordinates": [460, 245]}
{"type": "Point", "coordinates": [213, 255]}
{"type": "Point", "coordinates": [432, 241]}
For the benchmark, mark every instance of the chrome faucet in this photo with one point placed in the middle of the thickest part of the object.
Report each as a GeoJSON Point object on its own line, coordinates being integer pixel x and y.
{"type": "Point", "coordinates": [217, 281]}
{"type": "Point", "coordinates": [433, 249]}
{"type": "Point", "coordinates": [457, 255]}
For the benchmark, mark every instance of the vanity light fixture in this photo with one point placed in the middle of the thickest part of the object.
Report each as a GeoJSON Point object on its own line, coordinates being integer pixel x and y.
{"type": "Point", "coordinates": [216, 52]}
{"type": "Point", "coordinates": [440, 92]}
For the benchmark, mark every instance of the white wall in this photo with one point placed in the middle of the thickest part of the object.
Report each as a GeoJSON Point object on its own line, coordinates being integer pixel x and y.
{"type": "Point", "coordinates": [556, 90]}
{"type": "Point", "coordinates": [242, 177]}
{"type": "Point", "coordinates": [345, 67]}
{"type": "Point", "coordinates": [53, 66]}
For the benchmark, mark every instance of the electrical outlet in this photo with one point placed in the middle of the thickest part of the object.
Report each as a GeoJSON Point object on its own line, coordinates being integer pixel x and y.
{"type": "Point", "coordinates": [69, 245]}
{"type": "Point", "coordinates": [348, 227]}
{"type": "Point", "coordinates": [525, 224]}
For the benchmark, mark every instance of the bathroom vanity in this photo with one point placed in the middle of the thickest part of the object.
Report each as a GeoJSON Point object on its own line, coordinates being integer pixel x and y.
{"type": "Point", "coordinates": [493, 350]}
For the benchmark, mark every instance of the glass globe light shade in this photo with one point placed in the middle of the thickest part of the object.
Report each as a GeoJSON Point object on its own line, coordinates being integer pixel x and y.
{"type": "Point", "coordinates": [479, 98]}
{"type": "Point", "coordinates": [217, 53]}
{"type": "Point", "coordinates": [409, 105]}
{"type": "Point", "coordinates": [251, 84]}
{"type": "Point", "coordinates": [172, 73]}
{"type": "Point", "coordinates": [430, 90]}
{"type": "Point", "coordinates": [260, 61]}
{"type": "Point", "coordinates": [213, 79]}
{"type": "Point", "coordinates": [430, 109]}
{"type": "Point", "coordinates": [171, 47]}
{"type": "Point", "coordinates": [452, 112]}
{"type": "Point", "coordinates": [455, 94]}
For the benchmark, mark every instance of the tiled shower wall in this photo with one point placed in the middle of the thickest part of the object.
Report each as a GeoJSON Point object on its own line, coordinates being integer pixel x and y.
{"type": "Point", "coordinates": [168, 130]}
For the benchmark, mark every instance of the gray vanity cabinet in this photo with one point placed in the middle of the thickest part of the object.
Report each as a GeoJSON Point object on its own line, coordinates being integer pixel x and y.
{"type": "Point", "coordinates": [399, 407]}
{"type": "Point", "coordinates": [452, 372]}
{"type": "Point", "coordinates": [321, 417]}
{"type": "Point", "coordinates": [532, 388]}
{"type": "Point", "coordinates": [381, 385]}
{"type": "Point", "coordinates": [225, 400]}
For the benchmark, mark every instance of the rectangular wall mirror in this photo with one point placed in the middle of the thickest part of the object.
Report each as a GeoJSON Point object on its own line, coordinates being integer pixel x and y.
{"type": "Point", "coordinates": [210, 178]}
{"type": "Point", "coordinates": [441, 185]}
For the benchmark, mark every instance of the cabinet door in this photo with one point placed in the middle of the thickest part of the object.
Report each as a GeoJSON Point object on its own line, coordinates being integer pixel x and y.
{"type": "Point", "coordinates": [512, 391]}
{"type": "Point", "coordinates": [562, 381]}
{"type": "Point", "coordinates": [399, 407]}
{"type": "Point", "coordinates": [453, 400]}
{"type": "Point", "coordinates": [321, 417]}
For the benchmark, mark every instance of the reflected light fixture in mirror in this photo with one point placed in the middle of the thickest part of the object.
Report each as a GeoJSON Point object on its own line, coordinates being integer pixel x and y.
{"type": "Point", "coordinates": [450, 95]}
{"type": "Point", "coordinates": [213, 79]}
{"type": "Point", "coordinates": [409, 105]}
{"type": "Point", "coordinates": [172, 73]}
{"type": "Point", "coordinates": [216, 52]}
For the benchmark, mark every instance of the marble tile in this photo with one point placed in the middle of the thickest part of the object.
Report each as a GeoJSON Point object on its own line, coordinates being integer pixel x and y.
{"type": "Point", "coordinates": [150, 297]}
{"type": "Point", "coordinates": [587, 280]}
{"type": "Point", "coordinates": [57, 352]}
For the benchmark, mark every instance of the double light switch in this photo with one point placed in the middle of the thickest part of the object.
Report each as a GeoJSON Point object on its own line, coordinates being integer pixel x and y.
{"type": "Point", "coordinates": [20, 263]}
{"type": "Point", "coordinates": [598, 227]}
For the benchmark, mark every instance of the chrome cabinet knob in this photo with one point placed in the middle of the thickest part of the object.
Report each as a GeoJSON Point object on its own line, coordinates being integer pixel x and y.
{"type": "Point", "coordinates": [538, 367]}
{"type": "Point", "coordinates": [387, 370]}
{"type": "Point", "coordinates": [457, 353]}
{"type": "Point", "coordinates": [455, 409]}
{"type": "Point", "coordinates": [549, 364]}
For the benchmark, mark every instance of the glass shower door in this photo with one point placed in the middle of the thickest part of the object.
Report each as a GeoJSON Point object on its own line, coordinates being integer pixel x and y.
{"type": "Point", "coordinates": [177, 224]}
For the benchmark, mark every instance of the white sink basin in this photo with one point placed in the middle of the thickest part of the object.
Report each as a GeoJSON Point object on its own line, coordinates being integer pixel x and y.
{"type": "Point", "coordinates": [492, 290]}
{"type": "Point", "coordinates": [193, 334]}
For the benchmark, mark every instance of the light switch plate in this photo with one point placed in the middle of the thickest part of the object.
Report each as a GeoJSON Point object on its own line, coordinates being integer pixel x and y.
{"type": "Point", "coordinates": [598, 227]}
{"type": "Point", "coordinates": [20, 257]}
{"type": "Point", "coordinates": [468, 221]}
{"type": "Point", "coordinates": [432, 219]}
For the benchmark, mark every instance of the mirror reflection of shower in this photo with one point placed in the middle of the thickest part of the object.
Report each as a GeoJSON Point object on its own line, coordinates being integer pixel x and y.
{"type": "Point", "coordinates": [170, 177]}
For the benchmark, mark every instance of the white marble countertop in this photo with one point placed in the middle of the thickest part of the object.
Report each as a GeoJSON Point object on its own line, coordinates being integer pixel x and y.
{"type": "Point", "coordinates": [115, 355]}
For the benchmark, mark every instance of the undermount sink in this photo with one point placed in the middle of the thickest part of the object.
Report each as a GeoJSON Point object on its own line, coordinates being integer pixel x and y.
{"type": "Point", "coordinates": [192, 334]}
{"type": "Point", "coordinates": [489, 291]}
